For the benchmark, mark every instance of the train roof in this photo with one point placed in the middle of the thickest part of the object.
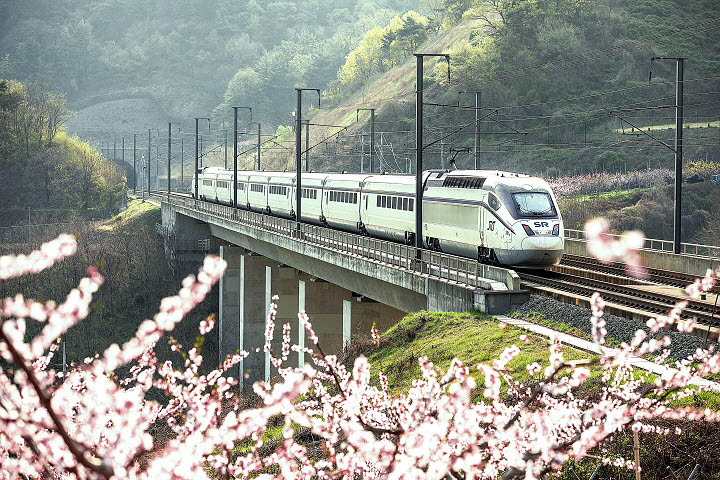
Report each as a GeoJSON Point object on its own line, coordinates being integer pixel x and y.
{"type": "Point", "coordinates": [485, 173]}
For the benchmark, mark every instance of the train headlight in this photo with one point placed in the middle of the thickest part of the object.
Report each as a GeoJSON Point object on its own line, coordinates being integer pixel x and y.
{"type": "Point", "coordinates": [556, 229]}
{"type": "Point", "coordinates": [528, 230]}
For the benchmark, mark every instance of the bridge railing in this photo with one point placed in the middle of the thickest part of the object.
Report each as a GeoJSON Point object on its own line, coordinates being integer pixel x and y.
{"type": "Point", "coordinates": [709, 251]}
{"type": "Point", "coordinates": [429, 263]}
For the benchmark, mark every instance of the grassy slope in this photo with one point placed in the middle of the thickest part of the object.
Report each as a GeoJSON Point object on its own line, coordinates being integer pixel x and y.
{"type": "Point", "coordinates": [476, 338]}
{"type": "Point", "coordinates": [472, 337]}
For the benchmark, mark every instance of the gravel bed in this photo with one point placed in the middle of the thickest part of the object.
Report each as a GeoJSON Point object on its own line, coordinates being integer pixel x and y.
{"type": "Point", "coordinates": [618, 328]}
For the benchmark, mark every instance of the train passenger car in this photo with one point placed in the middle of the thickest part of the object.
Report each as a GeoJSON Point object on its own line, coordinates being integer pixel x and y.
{"type": "Point", "coordinates": [258, 191]}
{"type": "Point", "coordinates": [206, 185]}
{"type": "Point", "coordinates": [387, 209]}
{"type": "Point", "coordinates": [341, 202]}
{"type": "Point", "coordinates": [312, 197]}
{"type": "Point", "coordinates": [280, 194]}
{"type": "Point", "coordinates": [242, 190]}
{"type": "Point", "coordinates": [223, 188]}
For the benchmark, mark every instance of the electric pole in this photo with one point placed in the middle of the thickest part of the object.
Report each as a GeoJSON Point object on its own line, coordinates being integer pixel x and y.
{"type": "Point", "coordinates": [182, 163]}
{"type": "Point", "coordinates": [235, 152]}
{"type": "Point", "coordinates": [148, 157]}
{"type": "Point", "coordinates": [134, 162]}
{"type": "Point", "coordinates": [372, 134]}
{"type": "Point", "coordinates": [169, 153]}
{"type": "Point", "coordinates": [420, 57]}
{"type": "Point", "coordinates": [307, 145]}
{"type": "Point", "coordinates": [259, 143]}
{"type": "Point", "coordinates": [123, 152]}
{"type": "Point", "coordinates": [298, 153]}
{"type": "Point", "coordinates": [197, 152]}
{"type": "Point", "coordinates": [478, 108]}
{"type": "Point", "coordinates": [679, 81]}
{"type": "Point", "coordinates": [157, 164]}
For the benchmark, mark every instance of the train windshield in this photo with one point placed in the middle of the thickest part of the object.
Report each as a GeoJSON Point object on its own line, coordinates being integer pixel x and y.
{"type": "Point", "coordinates": [534, 204]}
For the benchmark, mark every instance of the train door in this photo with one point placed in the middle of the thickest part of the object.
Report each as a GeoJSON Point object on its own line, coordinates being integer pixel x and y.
{"type": "Point", "coordinates": [481, 225]}
{"type": "Point", "coordinates": [494, 227]}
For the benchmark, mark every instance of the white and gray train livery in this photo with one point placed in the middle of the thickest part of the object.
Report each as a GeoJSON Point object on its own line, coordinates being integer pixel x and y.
{"type": "Point", "coordinates": [496, 217]}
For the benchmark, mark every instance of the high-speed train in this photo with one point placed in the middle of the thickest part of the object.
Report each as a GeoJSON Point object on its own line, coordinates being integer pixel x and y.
{"type": "Point", "coordinates": [496, 217]}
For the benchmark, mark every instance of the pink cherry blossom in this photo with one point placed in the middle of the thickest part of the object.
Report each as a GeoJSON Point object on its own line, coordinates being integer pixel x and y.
{"type": "Point", "coordinates": [96, 423]}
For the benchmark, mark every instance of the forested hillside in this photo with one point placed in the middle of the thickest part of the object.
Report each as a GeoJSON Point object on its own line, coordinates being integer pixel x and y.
{"type": "Point", "coordinates": [47, 175]}
{"type": "Point", "coordinates": [563, 84]}
{"type": "Point", "coordinates": [183, 52]}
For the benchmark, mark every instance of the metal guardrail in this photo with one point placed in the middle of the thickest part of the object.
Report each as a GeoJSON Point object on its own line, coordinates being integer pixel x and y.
{"type": "Point", "coordinates": [420, 261]}
{"type": "Point", "coordinates": [708, 251]}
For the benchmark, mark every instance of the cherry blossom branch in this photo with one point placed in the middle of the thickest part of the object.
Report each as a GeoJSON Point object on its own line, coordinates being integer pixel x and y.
{"type": "Point", "coordinates": [96, 465]}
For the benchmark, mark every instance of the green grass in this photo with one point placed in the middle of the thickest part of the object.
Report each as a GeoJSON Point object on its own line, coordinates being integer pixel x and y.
{"type": "Point", "coordinates": [612, 195]}
{"type": "Point", "coordinates": [472, 337]}
{"type": "Point", "coordinates": [136, 210]}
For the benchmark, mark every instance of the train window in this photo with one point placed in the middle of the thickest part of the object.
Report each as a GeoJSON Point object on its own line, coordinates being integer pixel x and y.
{"type": "Point", "coordinates": [536, 204]}
{"type": "Point", "coordinates": [378, 200]}
{"type": "Point", "coordinates": [383, 201]}
{"type": "Point", "coordinates": [405, 204]}
{"type": "Point", "coordinates": [493, 202]}
{"type": "Point", "coordinates": [412, 204]}
{"type": "Point", "coordinates": [394, 202]}
{"type": "Point", "coordinates": [240, 186]}
{"type": "Point", "coordinates": [355, 199]}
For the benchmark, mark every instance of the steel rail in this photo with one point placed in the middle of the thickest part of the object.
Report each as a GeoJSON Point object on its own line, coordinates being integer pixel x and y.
{"type": "Point", "coordinates": [622, 295]}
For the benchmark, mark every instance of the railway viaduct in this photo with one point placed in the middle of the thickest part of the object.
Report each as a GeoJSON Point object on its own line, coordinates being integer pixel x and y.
{"type": "Point", "coordinates": [344, 282]}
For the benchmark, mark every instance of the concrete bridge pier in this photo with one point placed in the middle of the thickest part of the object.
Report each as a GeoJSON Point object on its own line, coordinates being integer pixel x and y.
{"type": "Point", "coordinates": [323, 303]}
{"type": "Point", "coordinates": [242, 311]}
{"type": "Point", "coordinates": [282, 281]}
{"type": "Point", "coordinates": [359, 315]}
{"type": "Point", "coordinates": [246, 292]}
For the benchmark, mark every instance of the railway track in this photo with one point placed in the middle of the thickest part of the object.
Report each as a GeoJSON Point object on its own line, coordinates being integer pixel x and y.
{"type": "Point", "coordinates": [657, 276]}
{"type": "Point", "coordinates": [619, 290]}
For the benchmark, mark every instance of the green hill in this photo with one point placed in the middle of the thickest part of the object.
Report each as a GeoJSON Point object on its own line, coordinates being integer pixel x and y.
{"type": "Point", "coordinates": [562, 82]}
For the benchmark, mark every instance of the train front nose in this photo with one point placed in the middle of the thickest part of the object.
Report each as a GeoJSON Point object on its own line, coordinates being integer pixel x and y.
{"type": "Point", "coordinates": [541, 251]}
